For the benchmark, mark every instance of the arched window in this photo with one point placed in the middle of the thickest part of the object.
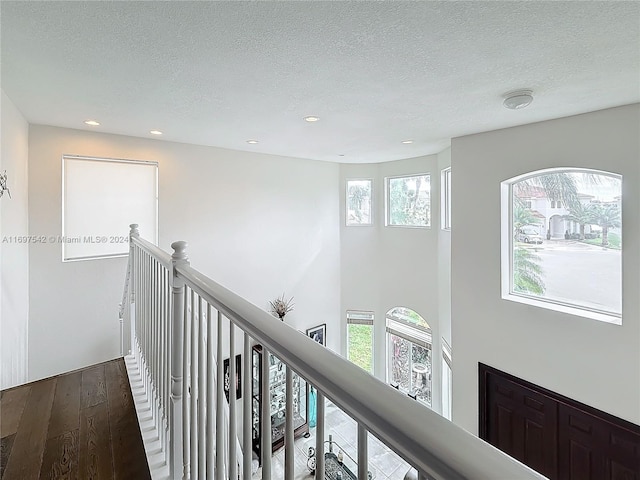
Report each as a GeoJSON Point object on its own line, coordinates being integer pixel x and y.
{"type": "Point", "coordinates": [409, 353]}
{"type": "Point", "coordinates": [562, 242]}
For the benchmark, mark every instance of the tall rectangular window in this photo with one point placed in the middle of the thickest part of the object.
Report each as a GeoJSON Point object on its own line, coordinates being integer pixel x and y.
{"type": "Point", "coordinates": [445, 202]}
{"type": "Point", "coordinates": [409, 201]}
{"type": "Point", "coordinates": [360, 339]}
{"type": "Point", "coordinates": [100, 198]}
{"type": "Point", "coordinates": [359, 202]}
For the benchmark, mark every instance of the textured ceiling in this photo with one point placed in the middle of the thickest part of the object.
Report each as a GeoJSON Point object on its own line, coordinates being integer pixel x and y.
{"type": "Point", "coordinates": [376, 73]}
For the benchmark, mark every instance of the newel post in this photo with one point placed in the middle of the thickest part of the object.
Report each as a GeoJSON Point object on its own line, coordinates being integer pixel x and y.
{"type": "Point", "coordinates": [177, 462]}
{"type": "Point", "coordinates": [130, 328]}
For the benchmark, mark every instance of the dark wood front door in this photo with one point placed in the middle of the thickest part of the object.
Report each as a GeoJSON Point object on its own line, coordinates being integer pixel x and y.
{"type": "Point", "coordinates": [522, 423]}
{"type": "Point", "coordinates": [592, 448]}
{"type": "Point", "coordinates": [554, 435]}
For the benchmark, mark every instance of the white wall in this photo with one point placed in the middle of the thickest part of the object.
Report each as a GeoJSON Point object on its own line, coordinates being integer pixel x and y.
{"type": "Point", "coordinates": [14, 257]}
{"type": "Point", "coordinates": [593, 362]}
{"type": "Point", "coordinates": [261, 225]}
{"type": "Point", "coordinates": [385, 267]}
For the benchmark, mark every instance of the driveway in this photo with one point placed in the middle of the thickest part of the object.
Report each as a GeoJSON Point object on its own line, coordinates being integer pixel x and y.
{"type": "Point", "coordinates": [588, 274]}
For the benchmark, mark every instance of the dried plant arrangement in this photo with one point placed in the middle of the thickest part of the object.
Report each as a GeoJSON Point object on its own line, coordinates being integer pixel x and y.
{"type": "Point", "coordinates": [280, 307]}
{"type": "Point", "coordinates": [3, 184]}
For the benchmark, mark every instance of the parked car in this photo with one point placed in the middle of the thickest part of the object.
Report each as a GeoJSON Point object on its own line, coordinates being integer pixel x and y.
{"type": "Point", "coordinates": [528, 235]}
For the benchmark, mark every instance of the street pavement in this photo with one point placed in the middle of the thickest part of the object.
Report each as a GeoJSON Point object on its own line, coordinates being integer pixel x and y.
{"type": "Point", "coordinates": [588, 274]}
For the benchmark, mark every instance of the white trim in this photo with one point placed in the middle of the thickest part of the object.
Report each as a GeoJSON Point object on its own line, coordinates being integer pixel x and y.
{"type": "Point", "coordinates": [570, 310]}
{"type": "Point", "coordinates": [360, 317]}
{"type": "Point", "coordinates": [445, 200]}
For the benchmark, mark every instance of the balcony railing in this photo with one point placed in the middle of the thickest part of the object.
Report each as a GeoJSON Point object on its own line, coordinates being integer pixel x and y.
{"type": "Point", "coordinates": [180, 321]}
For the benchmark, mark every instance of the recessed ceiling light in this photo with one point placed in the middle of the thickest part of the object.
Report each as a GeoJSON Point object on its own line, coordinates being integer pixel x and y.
{"type": "Point", "coordinates": [155, 132]}
{"type": "Point", "coordinates": [518, 99]}
{"type": "Point", "coordinates": [252, 142]}
{"type": "Point", "coordinates": [311, 118]}
{"type": "Point", "coordinates": [341, 154]}
{"type": "Point", "coordinates": [407, 142]}
{"type": "Point", "coordinates": [93, 123]}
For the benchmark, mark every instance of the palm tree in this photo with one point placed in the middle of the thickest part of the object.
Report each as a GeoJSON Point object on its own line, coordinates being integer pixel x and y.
{"type": "Point", "coordinates": [357, 194]}
{"type": "Point", "coordinates": [527, 272]}
{"type": "Point", "coordinates": [583, 215]}
{"type": "Point", "coordinates": [557, 186]}
{"type": "Point", "coordinates": [606, 216]}
{"type": "Point", "coordinates": [522, 216]}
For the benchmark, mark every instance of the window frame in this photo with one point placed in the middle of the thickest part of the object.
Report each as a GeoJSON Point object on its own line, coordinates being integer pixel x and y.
{"type": "Point", "coordinates": [447, 376]}
{"type": "Point", "coordinates": [387, 203]}
{"type": "Point", "coordinates": [346, 203]}
{"type": "Point", "coordinates": [362, 317]}
{"type": "Point", "coordinates": [507, 248]}
{"type": "Point", "coordinates": [445, 199]}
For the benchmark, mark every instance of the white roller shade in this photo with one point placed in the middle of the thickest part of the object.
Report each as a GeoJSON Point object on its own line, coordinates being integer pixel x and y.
{"type": "Point", "coordinates": [100, 199]}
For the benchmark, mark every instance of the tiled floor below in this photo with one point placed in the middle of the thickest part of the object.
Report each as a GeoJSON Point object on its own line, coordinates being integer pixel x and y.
{"type": "Point", "coordinates": [383, 462]}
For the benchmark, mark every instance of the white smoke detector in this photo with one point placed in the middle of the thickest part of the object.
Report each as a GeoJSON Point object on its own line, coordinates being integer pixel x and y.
{"type": "Point", "coordinates": [518, 99]}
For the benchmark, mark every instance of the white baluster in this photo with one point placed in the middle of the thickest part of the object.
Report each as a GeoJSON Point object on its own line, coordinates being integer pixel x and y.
{"type": "Point", "coordinates": [233, 461]}
{"type": "Point", "coordinates": [133, 233]}
{"type": "Point", "coordinates": [156, 341]}
{"type": "Point", "coordinates": [265, 443]}
{"type": "Point", "coordinates": [210, 403]}
{"type": "Point", "coordinates": [289, 448]}
{"type": "Point", "coordinates": [194, 388]}
{"type": "Point", "coordinates": [219, 405]}
{"type": "Point", "coordinates": [164, 354]}
{"type": "Point", "coordinates": [152, 349]}
{"type": "Point", "coordinates": [202, 389]}
{"type": "Point", "coordinates": [186, 388]}
{"type": "Point", "coordinates": [247, 408]}
{"type": "Point", "coordinates": [169, 306]}
{"type": "Point", "coordinates": [139, 320]}
{"type": "Point", "coordinates": [177, 454]}
{"type": "Point", "coordinates": [146, 316]}
{"type": "Point", "coordinates": [145, 321]}
{"type": "Point", "coordinates": [319, 435]}
{"type": "Point", "coordinates": [154, 328]}
{"type": "Point", "coordinates": [363, 458]}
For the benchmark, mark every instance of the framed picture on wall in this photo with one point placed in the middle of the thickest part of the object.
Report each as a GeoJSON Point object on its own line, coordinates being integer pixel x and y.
{"type": "Point", "coordinates": [227, 382]}
{"type": "Point", "coordinates": [318, 333]}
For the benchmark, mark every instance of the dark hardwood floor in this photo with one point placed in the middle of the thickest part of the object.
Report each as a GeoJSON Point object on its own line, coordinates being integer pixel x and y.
{"type": "Point", "coordinates": [80, 425]}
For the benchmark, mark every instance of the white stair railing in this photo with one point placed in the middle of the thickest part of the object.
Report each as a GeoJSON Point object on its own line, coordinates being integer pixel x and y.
{"type": "Point", "coordinates": [179, 319]}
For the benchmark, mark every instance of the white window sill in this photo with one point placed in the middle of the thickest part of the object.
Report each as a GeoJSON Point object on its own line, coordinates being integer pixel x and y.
{"type": "Point", "coordinates": [580, 312]}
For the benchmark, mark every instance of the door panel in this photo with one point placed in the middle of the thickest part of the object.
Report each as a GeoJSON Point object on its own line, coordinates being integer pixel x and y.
{"type": "Point", "coordinates": [613, 451]}
{"type": "Point", "coordinates": [555, 435]}
{"type": "Point", "coordinates": [522, 423]}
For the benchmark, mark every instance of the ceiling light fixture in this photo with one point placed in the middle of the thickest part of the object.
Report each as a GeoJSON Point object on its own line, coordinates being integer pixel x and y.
{"type": "Point", "coordinates": [518, 99]}
{"type": "Point", "coordinates": [93, 123]}
{"type": "Point", "coordinates": [155, 132]}
{"type": "Point", "coordinates": [252, 142]}
{"type": "Point", "coordinates": [311, 118]}
{"type": "Point", "coordinates": [407, 142]}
